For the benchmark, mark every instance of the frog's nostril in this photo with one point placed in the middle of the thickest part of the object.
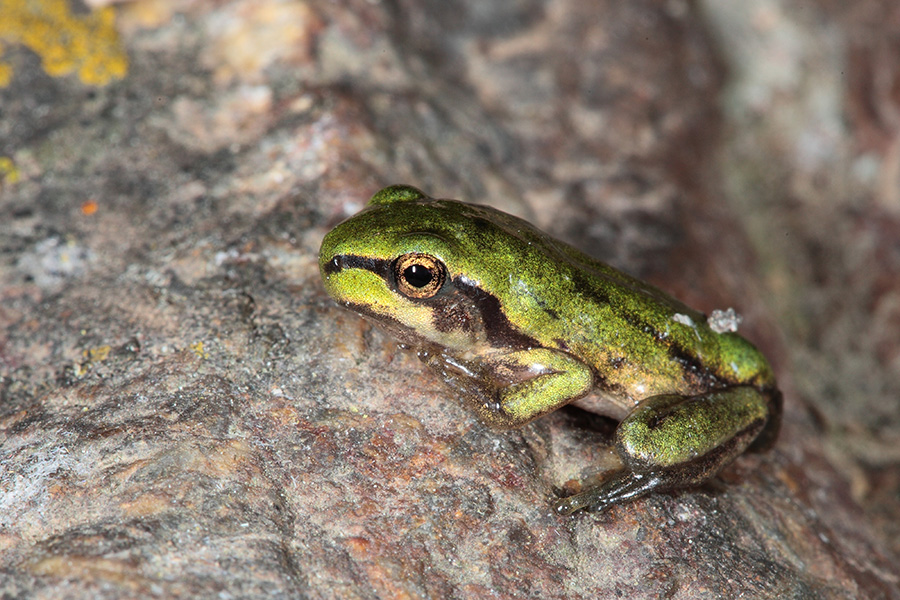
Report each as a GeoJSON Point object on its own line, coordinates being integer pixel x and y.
{"type": "Point", "coordinates": [334, 265]}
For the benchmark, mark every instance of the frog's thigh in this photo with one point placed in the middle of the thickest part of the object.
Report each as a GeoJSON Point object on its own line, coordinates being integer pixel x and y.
{"type": "Point", "coordinates": [563, 379]}
{"type": "Point", "coordinates": [697, 434]}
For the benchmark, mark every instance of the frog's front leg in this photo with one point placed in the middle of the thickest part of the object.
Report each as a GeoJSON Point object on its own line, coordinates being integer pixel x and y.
{"type": "Point", "coordinates": [671, 441]}
{"type": "Point", "coordinates": [509, 389]}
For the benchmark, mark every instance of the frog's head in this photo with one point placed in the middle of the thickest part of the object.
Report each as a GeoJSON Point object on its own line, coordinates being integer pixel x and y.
{"type": "Point", "coordinates": [412, 264]}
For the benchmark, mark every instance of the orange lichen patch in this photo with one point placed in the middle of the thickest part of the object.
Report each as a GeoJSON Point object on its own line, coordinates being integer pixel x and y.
{"type": "Point", "coordinates": [89, 207]}
{"type": "Point", "coordinates": [85, 44]}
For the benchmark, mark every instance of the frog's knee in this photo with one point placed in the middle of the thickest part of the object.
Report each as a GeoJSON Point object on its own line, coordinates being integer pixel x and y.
{"type": "Point", "coordinates": [671, 431]}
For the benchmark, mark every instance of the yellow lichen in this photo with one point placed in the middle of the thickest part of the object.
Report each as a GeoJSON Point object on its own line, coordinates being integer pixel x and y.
{"type": "Point", "coordinates": [5, 70]}
{"type": "Point", "coordinates": [91, 357]}
{"type": "Point", "coordinates": [98, 354]}
{"type": "Point", "coordinates": [8, 171]}
{"type": "Point", "coordinates": [87, 44]}
{"type": "Point", "coordinates": [199, 350]}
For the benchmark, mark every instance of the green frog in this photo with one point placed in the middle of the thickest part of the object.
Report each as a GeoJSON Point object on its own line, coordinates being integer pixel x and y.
{"type": "Point", "coordinates": [522, 324]}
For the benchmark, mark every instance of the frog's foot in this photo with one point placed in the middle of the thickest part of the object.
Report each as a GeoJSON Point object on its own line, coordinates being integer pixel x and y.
{"type": "Point", "coordinates": [620, 487]}
{"type": "Point", "coordinates": [670, 441]}
{"type": "Point", "coordinates": [626, 485]}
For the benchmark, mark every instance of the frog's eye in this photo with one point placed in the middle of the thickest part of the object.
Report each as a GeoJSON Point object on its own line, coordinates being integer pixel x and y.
{"type": "Point", "coordinates": [419, 276]}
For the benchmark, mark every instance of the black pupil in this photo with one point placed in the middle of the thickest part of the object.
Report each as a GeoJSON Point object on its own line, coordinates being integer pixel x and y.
{"type": "Point", "coordinates": [417, 276]}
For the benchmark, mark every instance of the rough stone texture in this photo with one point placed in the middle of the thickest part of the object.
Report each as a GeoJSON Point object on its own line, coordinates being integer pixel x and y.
{"type": "Point", "coordinates": [184, 413]}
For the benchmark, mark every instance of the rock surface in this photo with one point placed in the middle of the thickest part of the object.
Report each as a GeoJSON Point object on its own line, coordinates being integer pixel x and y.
{"type": "Point", "coordinates": [184, 413]}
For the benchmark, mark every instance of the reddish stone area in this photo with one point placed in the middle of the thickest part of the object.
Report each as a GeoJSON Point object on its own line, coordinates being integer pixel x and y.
{"type": "Point", "coordinates": [185, 413]}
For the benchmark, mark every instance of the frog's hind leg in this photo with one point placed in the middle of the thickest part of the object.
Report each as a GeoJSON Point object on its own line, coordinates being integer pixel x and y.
{"type": "Point", "coordinates": [672, 441]}
{"type": "Point", "coordinates": [766, 438]}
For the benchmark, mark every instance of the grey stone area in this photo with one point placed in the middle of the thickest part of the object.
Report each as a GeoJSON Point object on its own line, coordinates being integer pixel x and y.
{"type": "Point", "coordinates": [185, 413]}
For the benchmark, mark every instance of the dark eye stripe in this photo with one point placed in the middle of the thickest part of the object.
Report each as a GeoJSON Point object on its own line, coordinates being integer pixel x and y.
{"type": "Point", "coordinates": [379, 266]}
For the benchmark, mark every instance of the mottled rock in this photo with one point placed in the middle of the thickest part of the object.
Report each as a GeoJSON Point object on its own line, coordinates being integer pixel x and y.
{"type": "Point", "coordinates": [184, 413]}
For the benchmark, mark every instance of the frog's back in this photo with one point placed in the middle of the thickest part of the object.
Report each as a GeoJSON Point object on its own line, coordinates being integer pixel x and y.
{"type": "Point", "coordinates": [638, 339]}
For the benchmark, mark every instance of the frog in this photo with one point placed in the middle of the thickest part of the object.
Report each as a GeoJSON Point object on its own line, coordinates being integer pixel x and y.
{"type": "Point", "coordinates": [521, 324]}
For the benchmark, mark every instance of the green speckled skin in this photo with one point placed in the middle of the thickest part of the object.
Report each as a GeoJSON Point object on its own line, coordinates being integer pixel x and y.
{"type": "Point", "coordinates": [522, 324]}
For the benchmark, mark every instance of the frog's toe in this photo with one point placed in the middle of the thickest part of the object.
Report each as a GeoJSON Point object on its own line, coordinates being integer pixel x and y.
{"type": "Point", "coordinates": [566, 506]}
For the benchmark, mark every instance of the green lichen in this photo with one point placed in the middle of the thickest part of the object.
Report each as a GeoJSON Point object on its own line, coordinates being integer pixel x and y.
{"type": "Point", "coordinates": [87, 44]}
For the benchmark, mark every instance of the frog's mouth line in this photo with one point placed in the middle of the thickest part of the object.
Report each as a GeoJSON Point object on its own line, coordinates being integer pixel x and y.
{"type": "Point", "coordinates": [402, 332]}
